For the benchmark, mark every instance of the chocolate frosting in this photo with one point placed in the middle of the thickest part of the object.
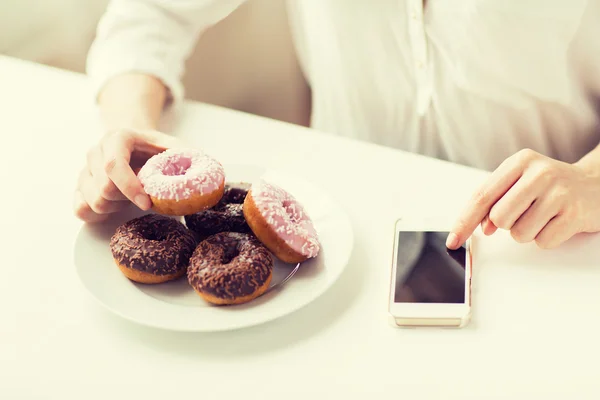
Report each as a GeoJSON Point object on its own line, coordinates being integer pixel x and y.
{"type": "Point", "coordinates": [226, 216]}
{"type": "Point", "coordinates": [154, 244]}
{"type": "Point", "coordinates": [229, 265]}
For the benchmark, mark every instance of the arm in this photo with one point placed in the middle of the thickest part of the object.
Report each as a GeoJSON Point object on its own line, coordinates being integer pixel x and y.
{"type": "Point", "coordinates": [135, 64]}
{"type": "Point", "coordinates": [137, 59]}
{"type": "Point", "coordinates": [132, 100]}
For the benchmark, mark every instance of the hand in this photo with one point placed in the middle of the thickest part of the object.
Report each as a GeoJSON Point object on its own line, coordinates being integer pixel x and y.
{"type": "Point", "coordinates": [108, 182]}
{"type": "Point", "coordinates": [534, 197]}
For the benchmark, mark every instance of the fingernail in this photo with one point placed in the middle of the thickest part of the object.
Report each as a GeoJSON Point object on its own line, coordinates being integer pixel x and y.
{"type": "Point", "coordinates": [452, 241]}
{"type": "Point", "coordinates": [142, 201]}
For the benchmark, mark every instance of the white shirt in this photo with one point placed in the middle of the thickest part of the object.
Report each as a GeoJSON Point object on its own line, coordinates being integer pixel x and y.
{"type": "Point", "coordinates": [469, 81]}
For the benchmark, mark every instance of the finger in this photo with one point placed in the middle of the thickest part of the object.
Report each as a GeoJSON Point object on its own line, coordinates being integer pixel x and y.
{"type": "Point", "coordinates": [557, 231]}
{"type": "Point", "coordinates": [95, 201]}
{"type": "Point", "coordinates": [516, 201]}
{"type": "Point", "coordinates": [487, 226]}
{"type": "Point", "coordinates": [83, 211]}
{"type": "Point", "coordinates": [116, 156]}
{"type": "Point", "coordinates": [500, 181]}
{"type": "Point", "coordinates": [531, 223]}
{"type": "Point", "coordinates": [106, 187]}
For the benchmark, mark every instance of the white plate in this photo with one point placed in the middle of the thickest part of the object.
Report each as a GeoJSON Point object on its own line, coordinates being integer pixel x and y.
{"type": "Point", "coordinates": [175, 306]}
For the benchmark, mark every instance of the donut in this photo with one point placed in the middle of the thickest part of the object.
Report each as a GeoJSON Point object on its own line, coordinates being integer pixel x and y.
{"type": "Point", "coordinates": [226, 216]}
{"type": "Point", "coordinates": [281, 223]}
{"type": "Point", "coordinates": [182, 181]}
{"type": "Point", "coordinates": [230, 268]}
{"type": "Point", "coordinates": [152, 248]}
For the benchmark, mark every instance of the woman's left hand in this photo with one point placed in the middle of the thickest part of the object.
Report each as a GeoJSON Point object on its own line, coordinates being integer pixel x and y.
{"type": "Point", "coordinates": [534, 197]}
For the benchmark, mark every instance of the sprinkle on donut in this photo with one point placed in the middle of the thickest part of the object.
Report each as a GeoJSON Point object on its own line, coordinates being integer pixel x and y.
{"type": "Point", "coordinates": [182, 181]}
{"type": "Point", "coordinates": [226, 216]}
{"type": "Point", "coordinates": [230, 268]}
{"type": "Point", "coordinates": [177, 174]}
{"type": "Point", "coordinates": [152, 248]}
{"type": "Point", "coordinates": [281, 222]}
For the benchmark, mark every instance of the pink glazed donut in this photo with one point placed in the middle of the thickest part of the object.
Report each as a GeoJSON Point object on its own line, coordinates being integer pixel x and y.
{"type": "Point", "coordinates": [182, 181]}
{"type": "Point", "coordinates": [280, 222]}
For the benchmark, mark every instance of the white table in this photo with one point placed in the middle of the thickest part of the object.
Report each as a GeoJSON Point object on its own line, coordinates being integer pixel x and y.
{"type": "Point", "coordinates": [536, 321]}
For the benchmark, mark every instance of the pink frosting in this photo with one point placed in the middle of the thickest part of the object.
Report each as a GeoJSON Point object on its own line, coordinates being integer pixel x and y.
{"type": "Point", "coordinates": [287, 217]}
{"type": "Point", "coordinates": [177, 174]}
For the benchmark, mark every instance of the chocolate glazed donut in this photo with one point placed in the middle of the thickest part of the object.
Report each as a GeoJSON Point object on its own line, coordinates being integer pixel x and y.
{"type": "Point", "coordinates": [152, 248]}
{"type": "Point", "coordinates": [226, 216]}
{"type": "Point", "coordinates": [230, 268]}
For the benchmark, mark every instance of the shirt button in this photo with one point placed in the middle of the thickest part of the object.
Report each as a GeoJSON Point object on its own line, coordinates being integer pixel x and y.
{"type": "Point", "coordinates": [413, 15]}
{"type": "Point", "coordinates": [420, 64]}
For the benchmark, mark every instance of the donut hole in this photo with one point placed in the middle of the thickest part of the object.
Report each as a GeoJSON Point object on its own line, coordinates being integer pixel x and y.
{"type": "Point", "coordinates": [177, 166]}
{"type": "Point", "coordinates": [153, 235]}
{"type": "Point", "coordinates": [229, 254]}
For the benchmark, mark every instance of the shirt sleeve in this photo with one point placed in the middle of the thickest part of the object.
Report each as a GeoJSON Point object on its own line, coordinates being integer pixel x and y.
{"type": "Point", "coordinates": [154, 37]}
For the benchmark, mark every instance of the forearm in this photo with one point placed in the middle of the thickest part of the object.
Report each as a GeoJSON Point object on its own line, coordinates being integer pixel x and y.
{"type": "Point", "coordinates": [152, 38]}
{"type": "Point", "coordinates": [132, 101]}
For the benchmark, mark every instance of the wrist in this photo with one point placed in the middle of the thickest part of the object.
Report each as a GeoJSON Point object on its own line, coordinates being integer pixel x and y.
{"type": "Point", "coordinates": [132, 101]}
{"type": "Point", "coordinates": [590, 164]}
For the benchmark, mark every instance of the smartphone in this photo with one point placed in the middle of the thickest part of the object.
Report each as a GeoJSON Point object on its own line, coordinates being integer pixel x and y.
{"type": "Point", "coordinates": [430, 284]}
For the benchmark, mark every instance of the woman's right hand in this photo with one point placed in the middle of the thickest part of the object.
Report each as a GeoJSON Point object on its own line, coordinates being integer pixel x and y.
{"type": "Point", "coordinates": [108, 182]}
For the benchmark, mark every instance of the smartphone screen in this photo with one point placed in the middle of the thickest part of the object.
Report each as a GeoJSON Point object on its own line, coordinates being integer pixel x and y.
{"type": "Point", "coordinates": [427, 271]}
